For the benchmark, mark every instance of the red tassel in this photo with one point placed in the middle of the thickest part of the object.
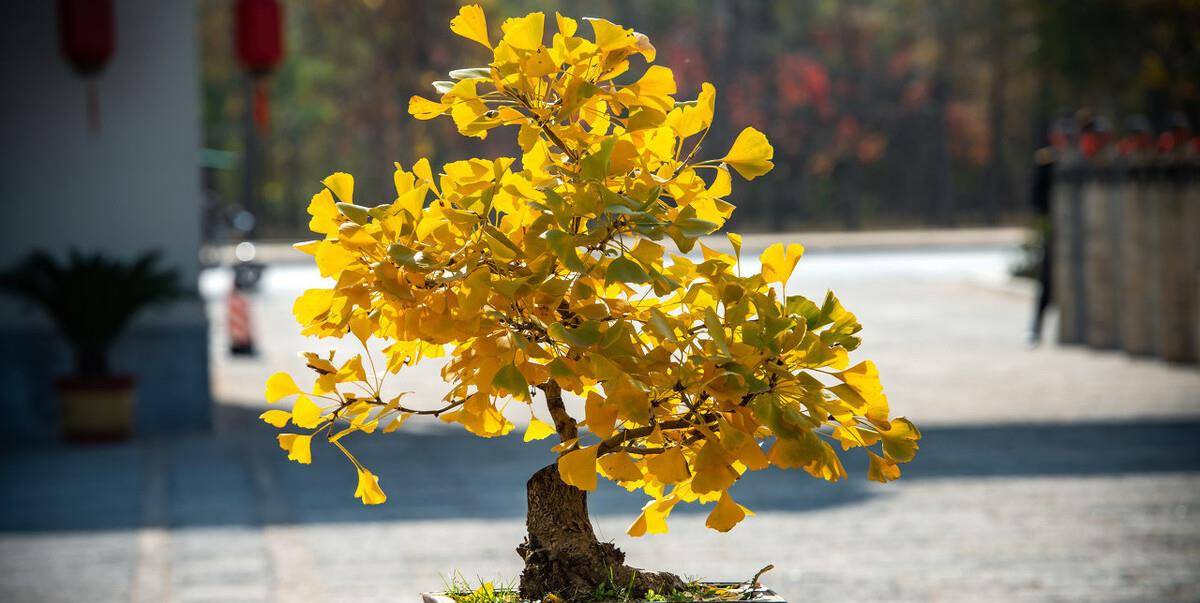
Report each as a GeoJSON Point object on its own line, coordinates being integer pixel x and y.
{"type": "Point", "coordinates": [262, 104]}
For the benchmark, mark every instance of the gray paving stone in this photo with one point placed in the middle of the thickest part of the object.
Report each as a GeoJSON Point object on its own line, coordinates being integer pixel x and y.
{"type": "Point", "coordinates": [1045, 474]}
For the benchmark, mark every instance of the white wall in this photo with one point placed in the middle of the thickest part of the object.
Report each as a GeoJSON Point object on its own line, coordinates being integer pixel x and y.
{"type": "Point", "coordinates": [134, 184]}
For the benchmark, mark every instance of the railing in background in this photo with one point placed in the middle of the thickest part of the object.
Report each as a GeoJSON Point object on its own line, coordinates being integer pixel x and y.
{"type": "Point", "coordinates": [1126, 248]}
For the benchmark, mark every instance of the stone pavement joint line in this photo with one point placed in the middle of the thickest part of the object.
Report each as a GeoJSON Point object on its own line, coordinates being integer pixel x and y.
{"type": "Point", "coordinates": [152, 578]}
{"type": "Point", "coordinates": [293, 570]}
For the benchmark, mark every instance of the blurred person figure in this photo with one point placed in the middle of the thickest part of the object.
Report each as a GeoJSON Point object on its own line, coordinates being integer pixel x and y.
{"type": "Point", "coordinates": [1045, 161]}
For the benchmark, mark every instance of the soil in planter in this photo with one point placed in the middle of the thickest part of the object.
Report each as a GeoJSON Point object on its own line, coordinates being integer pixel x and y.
{"type": "Point", "coordinates": [459, 590]}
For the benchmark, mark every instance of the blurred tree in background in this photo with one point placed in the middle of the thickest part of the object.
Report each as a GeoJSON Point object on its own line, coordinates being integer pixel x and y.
{"type": "Point", "coordinates": [883, 112]}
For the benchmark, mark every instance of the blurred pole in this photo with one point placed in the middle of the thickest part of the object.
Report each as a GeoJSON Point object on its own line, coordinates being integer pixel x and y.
{"type": "Point", "coordinates": [250, 158]}
{"type": "Point", "coordinates": [1100, 260]}
{"type": "Point", "coordinates": [1067, 215]}
{"type": "Point", "coordinates": [1138, 253]}
{"type": "Point", "coordinates": [940, 97]}
{"type": "Point", "coordinates": [998, 192]}
{"type": "Point", "coordinates": [1176, 264]}
{"type": "Point", "coordinates": [848, 174]}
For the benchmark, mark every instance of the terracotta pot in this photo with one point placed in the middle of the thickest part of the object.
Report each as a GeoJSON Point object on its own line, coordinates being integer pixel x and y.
{"type": "Point", "coordinates": [97, 409]}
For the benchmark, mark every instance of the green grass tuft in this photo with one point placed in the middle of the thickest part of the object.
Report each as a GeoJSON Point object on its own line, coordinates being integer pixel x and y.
{"type": "Point", "coordinates": [462, 590]}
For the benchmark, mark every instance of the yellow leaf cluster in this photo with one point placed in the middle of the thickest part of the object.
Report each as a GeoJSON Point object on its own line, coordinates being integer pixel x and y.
{"type": "Point", "coordinates": [570, 270]}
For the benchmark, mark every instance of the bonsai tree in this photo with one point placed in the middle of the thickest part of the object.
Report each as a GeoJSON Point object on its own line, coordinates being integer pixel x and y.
{"type": "Point", "coordinates": [91, 298]}
{"type": "Point", "coordinates": [552, 275]}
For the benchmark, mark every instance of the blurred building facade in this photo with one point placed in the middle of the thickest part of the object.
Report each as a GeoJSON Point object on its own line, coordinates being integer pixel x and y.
{"type": "Point", "coordinates": [130, 185]}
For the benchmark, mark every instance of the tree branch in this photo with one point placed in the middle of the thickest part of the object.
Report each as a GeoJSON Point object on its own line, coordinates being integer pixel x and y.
{"type": "Point", "coordinates": [564, 424]}
{"type": "Point", "coordinates": [618, 439]}
{"type": "Point", "coordinates": [435, 412]}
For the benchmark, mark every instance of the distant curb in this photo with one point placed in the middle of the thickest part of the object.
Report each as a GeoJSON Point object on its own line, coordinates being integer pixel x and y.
{"type": "Point", "coordinates": [281, 252]}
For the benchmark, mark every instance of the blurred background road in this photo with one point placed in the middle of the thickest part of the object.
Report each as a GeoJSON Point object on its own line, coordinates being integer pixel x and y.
{"type": "Point", "coordinates": [943, 319]}
{"type": "Point", "coordinates": [1045, 473]}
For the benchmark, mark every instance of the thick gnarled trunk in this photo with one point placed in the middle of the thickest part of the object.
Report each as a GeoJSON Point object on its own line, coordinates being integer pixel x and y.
{"type": "Point", "coordinates": [562, 555]}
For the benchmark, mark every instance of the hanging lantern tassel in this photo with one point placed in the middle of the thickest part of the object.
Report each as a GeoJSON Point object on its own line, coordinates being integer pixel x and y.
{"type": "Point", "coordinates": [262, 104]}
{"type": "Point", "coordinates": [87, 38]}
{"type": "Point", "coordinates": [258, 40]}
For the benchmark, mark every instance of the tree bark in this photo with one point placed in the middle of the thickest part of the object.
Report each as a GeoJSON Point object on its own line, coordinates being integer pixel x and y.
{"type": "Point", "coordinates": [562, 555]}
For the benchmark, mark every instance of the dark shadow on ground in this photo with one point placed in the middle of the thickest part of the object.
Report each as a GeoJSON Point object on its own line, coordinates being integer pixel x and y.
{"type": "Point", "coordinates": [241, 478]}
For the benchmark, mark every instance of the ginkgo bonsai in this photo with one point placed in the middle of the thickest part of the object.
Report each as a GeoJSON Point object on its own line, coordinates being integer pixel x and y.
{"type": "Point", "coordinates": [550, 277]}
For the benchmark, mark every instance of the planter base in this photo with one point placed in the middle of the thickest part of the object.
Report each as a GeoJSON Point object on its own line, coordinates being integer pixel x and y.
{"type": "Point", "coordinates": [738, 591]}
{"type": "Point", "coordinates": [97, 409]}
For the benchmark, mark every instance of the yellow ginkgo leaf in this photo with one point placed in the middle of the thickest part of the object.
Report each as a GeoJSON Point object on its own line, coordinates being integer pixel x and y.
{"type": "Point", "coordinates": [424, 109]}
{"type": "Point", "coordinates": [311, 305]}
{"type": "Point", "coordinates": [471, 24]}
{"type": "Point", "coordinates": [368, 488]}
{"type": "Point", "coordinates": [525, 33]}
{"type": "Point", "coordinates": [305, 413]}
{"type": "Point", "coordinates": [713, 468]}
{"type": "Point", "coordinates": [422, 170]}
{"type": "Point", "coordinates": [352, 370]}
{"type": "Point", "coordinates": [610, 36]}
{"type": "Point", "coordinates": [619, 467]}
{"type": "Point", "coordinates": [600, 415]}
{"type": "Point", "coordinates": [809, 452]}
{"type": "Point", "coordinates": [510, 381]}
{"type": "Point", "coordinates": [882, 470]}
{"type": "Point", "coordinates": [280, 385]}
{"type": "Point", "coordinates": [538, 430]}
{"type": "Point", "coordinates": [566, 25]}
{"type": "Point", "coordinates": [341, 185]}
{"type": "Point", "coordinates": [578, 468]}
{"type": "Point", "coordinates": [690, 120]}
{"type": "Point", "coordinates": [278, 418]}
{"type": "Point", "coordinates": [865, 391]}
{"type": "Point", "coordinates": [361, 326]}
{"type": "Point", "coordinates": [751, 154]}
{"type": "Point", "coordinates": [298, 447]}
{"type": "Point", "coordinates": [900, 442]}
{"type": "Point", "coordinates": [539, 63]}
{"type": "Point", "coordinates": [778, 262]}
{"type": "Point", "coordinates": [735, 240]}
{"type": "Point", "coordinates": [726, 514]}
{"type": "Point", "coordinates": [325, 216]}
{"type": "Point", "coordinates": [668, 467]}
{"type": "Point", "coordinates": [654, 89]}
{"type": "Point", "coordinates": [743, 447]}
{"type": "Point", "coordinates": [653, 519]}
{"type": "Point", "coordinates": [481, 417]}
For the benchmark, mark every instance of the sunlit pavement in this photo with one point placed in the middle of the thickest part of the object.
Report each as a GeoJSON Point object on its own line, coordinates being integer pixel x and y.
{"type": "Point", "coordinates": [1045, 474]}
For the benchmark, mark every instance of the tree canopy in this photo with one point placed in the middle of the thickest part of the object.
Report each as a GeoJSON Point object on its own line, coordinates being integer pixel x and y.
{"type": "Point", "coordinates": [571, 270]}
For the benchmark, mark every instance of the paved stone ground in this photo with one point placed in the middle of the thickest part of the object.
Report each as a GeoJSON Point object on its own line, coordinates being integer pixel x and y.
{"type": "Point", "coordinates": [1103, 511]}
{"type": "Point", "coordinates": [1045, 474]}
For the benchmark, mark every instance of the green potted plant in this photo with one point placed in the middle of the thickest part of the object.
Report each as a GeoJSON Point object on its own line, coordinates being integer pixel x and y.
{"type": "Point", "coordinates": [548, 279]}
{"type": "Point", "coordinates": [91, 299]}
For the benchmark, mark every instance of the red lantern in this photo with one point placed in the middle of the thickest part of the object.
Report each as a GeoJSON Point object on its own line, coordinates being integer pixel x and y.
{"type": "Point", "coordinates": [87, 32]}
{"type": "Point", "coordinates": [258, 38]}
